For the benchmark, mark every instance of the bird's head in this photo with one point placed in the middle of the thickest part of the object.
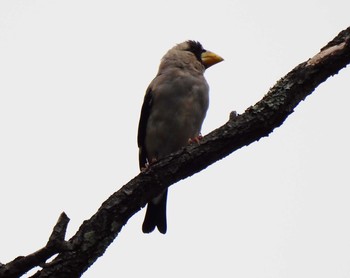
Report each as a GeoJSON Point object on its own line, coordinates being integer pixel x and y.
{"type": "Point", "coordinates": [191, 52]}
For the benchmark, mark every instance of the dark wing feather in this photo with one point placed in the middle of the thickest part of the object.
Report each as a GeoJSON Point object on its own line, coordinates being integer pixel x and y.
{"type": "Point", "coordinates": [145, 112]}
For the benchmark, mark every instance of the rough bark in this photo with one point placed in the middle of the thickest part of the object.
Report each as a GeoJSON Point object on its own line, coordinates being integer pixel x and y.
{"type": "Point", "coordinates": [56, 244]}
{"type": "Point", "coordinates": [97, 233]}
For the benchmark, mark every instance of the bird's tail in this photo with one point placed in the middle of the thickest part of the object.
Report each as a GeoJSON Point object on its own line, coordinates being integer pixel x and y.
{"type": "Point", "coordinates": [156, 214]}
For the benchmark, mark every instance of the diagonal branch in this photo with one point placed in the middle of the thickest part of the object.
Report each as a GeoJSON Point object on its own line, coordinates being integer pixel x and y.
{"type": "Point", "coordinates": [97, 233]}
{"type": "Point", "coordinates": [56, 244]}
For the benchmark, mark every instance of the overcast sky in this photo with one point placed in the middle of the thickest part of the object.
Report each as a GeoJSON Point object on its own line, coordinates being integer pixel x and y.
{"type": "Point", "coordinates": [72, 80]}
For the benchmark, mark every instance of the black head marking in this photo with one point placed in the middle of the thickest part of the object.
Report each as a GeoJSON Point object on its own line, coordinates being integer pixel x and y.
{"type": "Point", "coordinates": [196, 48]}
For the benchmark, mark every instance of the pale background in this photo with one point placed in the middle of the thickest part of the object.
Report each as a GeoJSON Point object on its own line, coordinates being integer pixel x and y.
{"type": "Point", "coordinates": [72, 79]}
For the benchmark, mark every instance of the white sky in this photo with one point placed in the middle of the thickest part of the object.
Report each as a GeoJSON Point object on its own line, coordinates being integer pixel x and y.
{"type": "Point", "coordinates": [73, 75]}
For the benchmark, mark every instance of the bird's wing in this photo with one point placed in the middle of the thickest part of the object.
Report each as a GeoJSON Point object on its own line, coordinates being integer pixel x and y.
{"type": "Point", "coordinates": [145, 112]}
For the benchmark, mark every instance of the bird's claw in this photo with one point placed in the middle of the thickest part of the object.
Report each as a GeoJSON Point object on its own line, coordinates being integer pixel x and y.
{"type": "Point", "coordinates": [148, 165]}
{"type": "Point", "coordinates": [195, 139]}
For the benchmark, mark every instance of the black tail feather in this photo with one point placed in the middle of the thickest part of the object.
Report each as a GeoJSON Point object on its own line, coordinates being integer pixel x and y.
{"type": "Point", "coordinates": [156, 215]}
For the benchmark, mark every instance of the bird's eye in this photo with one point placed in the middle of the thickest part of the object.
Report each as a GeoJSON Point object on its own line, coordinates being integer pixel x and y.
{"type": "Point", "coordinates": [196, 48]}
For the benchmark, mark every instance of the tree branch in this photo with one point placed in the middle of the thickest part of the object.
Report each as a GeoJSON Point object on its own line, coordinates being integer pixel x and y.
{"type": "Point", "coordinates": [56, 244]}
{"type": "Point", "coordinates": [95, 234]}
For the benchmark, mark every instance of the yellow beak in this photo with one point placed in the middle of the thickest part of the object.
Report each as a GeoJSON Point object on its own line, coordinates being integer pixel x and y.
{"type": "Point", "coordinates": [210, 58]}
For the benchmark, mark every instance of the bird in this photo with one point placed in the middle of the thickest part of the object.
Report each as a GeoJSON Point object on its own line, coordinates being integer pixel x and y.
{"type": "Point", "coordinates": [173, 110]}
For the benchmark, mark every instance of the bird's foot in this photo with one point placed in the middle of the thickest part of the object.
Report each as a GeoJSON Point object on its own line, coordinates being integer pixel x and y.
{"type": "Point", "coordinates": [148, 164]}
{"type": "Point", "coordinates": [195, 139]}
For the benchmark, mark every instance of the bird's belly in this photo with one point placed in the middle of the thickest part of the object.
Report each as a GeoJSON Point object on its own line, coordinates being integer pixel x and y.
{"type": "Point", "coordinates": [167, 135]}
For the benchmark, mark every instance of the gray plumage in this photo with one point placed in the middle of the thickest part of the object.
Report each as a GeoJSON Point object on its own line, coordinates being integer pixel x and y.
{"type": "Point", "coordinates": [173, 111]}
